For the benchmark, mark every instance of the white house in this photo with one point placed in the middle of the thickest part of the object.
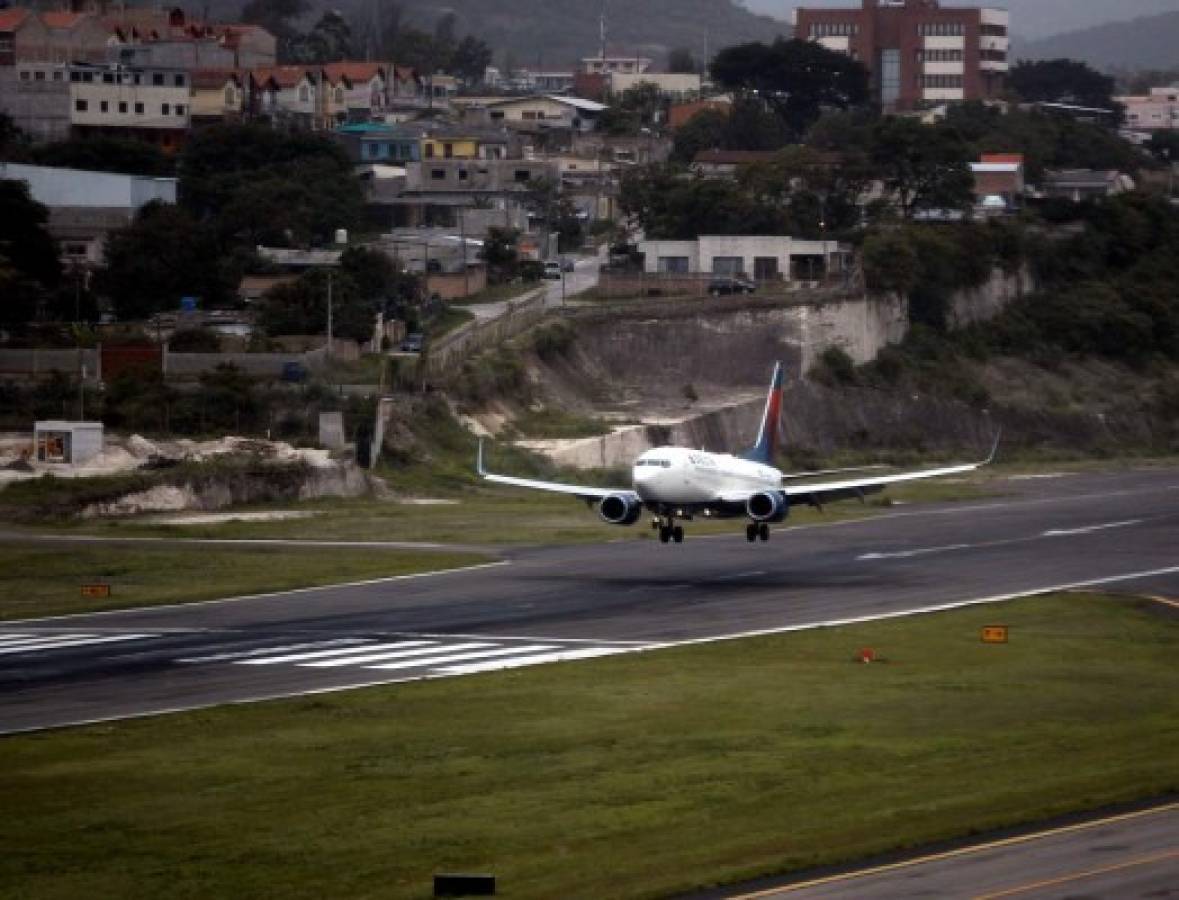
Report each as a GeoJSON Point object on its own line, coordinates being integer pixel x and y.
{"type": "Point", "coordinates": [762, 257]}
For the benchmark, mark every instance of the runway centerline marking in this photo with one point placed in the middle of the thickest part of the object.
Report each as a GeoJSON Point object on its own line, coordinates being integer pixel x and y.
{"type": "Point", "coordinates": [1088, 529]}
{"type": "Point", "coordinates": [924, 551]}
{"type": "Point", "coordinates": [1080, 876]}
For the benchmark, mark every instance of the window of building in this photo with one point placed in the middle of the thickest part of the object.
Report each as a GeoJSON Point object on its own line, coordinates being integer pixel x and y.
{"type": "Point", "coordinates": [38, 75]}
{"type": "Point", "coordinates": [941, 29]}
{"type": "Point", "coordinates": [463, 174]}
{"type": "Point", "coordinates": [230, 96]}
{"type": "Point", "coordinates": [57, 75]}
{"type": "Point", "coordinates": [88, 77]}
{"type": "Point", "coordinates": [448, 151]}
{"type": "Point", "coordinates": [165, 109]}
{"type": "Point", "coordinates": [522, 175]}
{"type": "Point", "coordinates": [673, 265]}
{"type": "Point", "coordinates": [108, 77]}
{"type": "Point", "coordinates": [429, 151]}
{"type": "Point", "coordinates": [179, 109]}
{"type": "Point", "coordinates": [993, 30]}
{"type": "Point", "coordinates": [178, 80]}
{"type": "Point", "coordinates": [304, 94]}
{"type": "Point", "coordinates": [890, 77]}
{"type": "Point", "coordinates": [74, 249]}
{"type": "Point", "coordinates": [24, 75]}
{"type": "Point", "coordinates": [496, 114]}
{"type": "Point", "coordinates": [765, 268]}
{"type": "Point", "coordinates": [157, 79]}
{"type": "Point", "coordinates": [81, 105]}
{"type": "Point", "coordinates": [103, 106]}
{"type": "Point", "coordinates": [942, 81]}
{"type": "Point", "coordinates": [727, 265]}
{"type": "Point", "coordinates": [74, 76]}
{"type": "Point", "coordinates": [834, 29]}
{"type": "Point", "coordinates": [528, 115]}
{"type": "Point", "coordinates": [438, 174]}
{"type": "Point", "coordinates": [339, 95]}
{"type": "Point", "coordinates": [139, 109]}
{"type": "Point", "coordinates": [122, 106]}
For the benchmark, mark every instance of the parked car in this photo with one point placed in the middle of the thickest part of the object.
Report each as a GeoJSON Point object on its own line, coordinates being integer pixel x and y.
{"type": "Point", "coordinates": [552, 270]}
{"type": "Point", "coordinates": [412, 343]}
{"type": "Point", "coordinates": [730, 284]}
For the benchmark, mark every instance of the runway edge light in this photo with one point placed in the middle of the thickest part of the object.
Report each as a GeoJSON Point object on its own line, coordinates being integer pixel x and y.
{"type": "Point", "coordinates": [96, 591]}
{"type": "Point", "coordinates": [994, 634]}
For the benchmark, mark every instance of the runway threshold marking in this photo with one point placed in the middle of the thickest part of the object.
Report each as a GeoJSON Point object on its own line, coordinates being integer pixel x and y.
{"type": "Point", "coordinates": [1080, 876]}
{"type": "Point", "coordinates": [960, 851]}
{"type": "Point", "coordinates": [12, 644]}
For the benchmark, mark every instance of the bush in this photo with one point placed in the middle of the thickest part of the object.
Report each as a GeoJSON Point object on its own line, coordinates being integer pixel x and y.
{"type": "Point", "coordinates": [834, 368]}
{"type": "Point", "coordinates": [552, 341]}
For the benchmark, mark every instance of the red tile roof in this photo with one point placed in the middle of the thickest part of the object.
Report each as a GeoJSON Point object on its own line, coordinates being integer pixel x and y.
{"type": "Point", "coordinates": [354, 71]}
{"type": "Point", "coordinates": [61, 19]}
{"type": "Point", "coordinates": [12, 19]}
{"type": "Point", "coordinates": [214, 79]}
{"type": "Point", "coordinates": [283, 76]}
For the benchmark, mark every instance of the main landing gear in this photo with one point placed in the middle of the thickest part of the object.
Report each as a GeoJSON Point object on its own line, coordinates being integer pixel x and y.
{"type": "Point", "coordinates": [668, 531]}
{"type": "Point", "coordinates": [755, 530]}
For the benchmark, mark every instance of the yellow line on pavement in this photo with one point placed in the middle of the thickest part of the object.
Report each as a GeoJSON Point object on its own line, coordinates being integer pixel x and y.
{"type": "Point", "coordinates": [1077, 876]}
{"type": "Point", "coordinates": [961, 851]}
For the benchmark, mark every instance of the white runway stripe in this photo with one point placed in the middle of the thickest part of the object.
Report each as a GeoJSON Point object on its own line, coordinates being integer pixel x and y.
{"type": "Point", "coordinates": [65, 641]}
{"type": "Point", "coordinates": [263, 651]}
{"type": "Point", "coordinates": [324, 654]}
{"type": "Point", "coordinates": [367, 657]}
{"type": "Point", "coordinates": [457, 657]}
{"type": "Point", "coordinates": [14, 637]}
{"type": "Point", "coordinates": [512, 663]}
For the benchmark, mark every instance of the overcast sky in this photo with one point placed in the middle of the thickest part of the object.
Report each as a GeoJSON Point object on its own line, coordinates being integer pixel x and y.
{"type": "Point", "coordinates": [1029, 18]}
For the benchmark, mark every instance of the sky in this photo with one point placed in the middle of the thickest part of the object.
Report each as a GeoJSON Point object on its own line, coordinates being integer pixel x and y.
{"type": "Point", "coordinates": [1030, 19]}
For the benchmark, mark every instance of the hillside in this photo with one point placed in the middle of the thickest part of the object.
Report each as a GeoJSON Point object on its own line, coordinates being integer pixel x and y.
{"type": "Point", "coordinates": [556, 33]}
{"type": "Point", "coordinates": [1145, 43]}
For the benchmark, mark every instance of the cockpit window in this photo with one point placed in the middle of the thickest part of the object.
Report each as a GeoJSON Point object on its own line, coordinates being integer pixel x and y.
{"type": "Point", "coordinates": [666, 464]}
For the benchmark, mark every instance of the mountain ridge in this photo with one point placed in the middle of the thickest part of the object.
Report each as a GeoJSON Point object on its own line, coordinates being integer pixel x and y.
{"type": "Point", "coordinates": [1144, 43]}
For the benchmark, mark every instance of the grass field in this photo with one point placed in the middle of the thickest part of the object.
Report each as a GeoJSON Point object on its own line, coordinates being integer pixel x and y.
{"type": "Point", "coordinates": [632, 776]}
{"type": "Point", "coordinates": [46, 580]}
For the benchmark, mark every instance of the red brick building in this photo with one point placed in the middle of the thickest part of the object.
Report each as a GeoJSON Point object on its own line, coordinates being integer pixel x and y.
{"type": "Point", "coordinates": [918, 52]}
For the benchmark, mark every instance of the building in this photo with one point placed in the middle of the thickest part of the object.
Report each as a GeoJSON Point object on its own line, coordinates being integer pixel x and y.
{"type": "Point", "coordinates": [368, 143]}
{"type": "Point", "coordinates": [1085, 184]}
{"type": "Point", "coordinates": [70, 443]}
{"type": "Point", "coordinates": [681, 113]}
{"type": "Point", "coordinates": [608, 65]}
{"type": "Point", "coordinates": [36, 96]}
{"type": "Point", "coordinates": [727, 163]}
{"type": "Point", "coordinates": [764, 258]}
{"type": "Point", "coordinates": [1157, 111]}
{"type": "Point", "coordinates": [999, 181]}
{"type": "Point", "coordinates": [917, 51]}
{"type": "Point", "coordinates": [217, 95]}
{"type": "Point", "coordinates": [126, 101]}
{"type": "Point", "coordinates": [542, 112]}
{"type": "Point", "coordinates": [436, 190]}
{"type": "Point", "coordinates": [360, 90]}
{"type": "Point", "coordinates": [84, 207]}
{"type": "Point", "coordinates": [678, 88]}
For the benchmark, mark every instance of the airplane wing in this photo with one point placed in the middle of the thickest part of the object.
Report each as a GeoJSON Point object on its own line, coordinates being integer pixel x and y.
{"type": "Point", "coordinates": [821, 492]}
{"type": "Point", "coordinates": [584, 492]}
{"type": "Point", "coordinates": [789, 476]}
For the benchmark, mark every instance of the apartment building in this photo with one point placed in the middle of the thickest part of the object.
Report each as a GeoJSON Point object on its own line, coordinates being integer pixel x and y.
{"type": "Point", "coordinates": [149, 104]}
{"type": "Point", "coordinates": [917, 51]}
{"type": "Point", "coordinates": [1156, 111]}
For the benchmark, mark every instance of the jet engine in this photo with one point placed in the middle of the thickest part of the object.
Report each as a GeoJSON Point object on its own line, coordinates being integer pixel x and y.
{"type": "Point", "coordinates": [767, 506]}
{"type": "Point", "coordinates": [620, 509]}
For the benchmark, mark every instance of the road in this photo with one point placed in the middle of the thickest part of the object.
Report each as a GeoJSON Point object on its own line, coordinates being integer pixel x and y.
{"type": "Point", "coordinates": [545, 604]}
{"type": "Point", "coordinates": [1124, 856]}
{"type": "Point", "coordinates": [556, 293]}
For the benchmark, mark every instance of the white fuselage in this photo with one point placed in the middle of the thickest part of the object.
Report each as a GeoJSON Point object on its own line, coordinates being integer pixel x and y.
{"type": "Point", "coordinates": [678, 475]}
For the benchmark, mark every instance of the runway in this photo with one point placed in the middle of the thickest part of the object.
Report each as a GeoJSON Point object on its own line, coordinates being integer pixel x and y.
{"type": "Point", "coordinates": [542, 605]}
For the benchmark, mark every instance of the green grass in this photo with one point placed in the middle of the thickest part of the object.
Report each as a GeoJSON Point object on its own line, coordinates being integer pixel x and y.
{"type": "Point", "coordinates": [557, 423]}
{"type": "Point", "coordinates": [497, 293]}
{"type": "Point", "coordinates": [633, 776]}
{"type": "Point", "coordinates": [46, 580]}
{"type": "Point", "coordinates": [446, 321]}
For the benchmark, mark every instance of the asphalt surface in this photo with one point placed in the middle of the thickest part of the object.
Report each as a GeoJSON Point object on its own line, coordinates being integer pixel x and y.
{"type": "Point", "coordinates": [1119, 530]}
{"type": "Point", "coordinates": [1123, 857]}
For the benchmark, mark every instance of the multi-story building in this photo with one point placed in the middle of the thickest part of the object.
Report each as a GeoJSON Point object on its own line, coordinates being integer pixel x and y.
{"type": "Point", "coordinates": [1157, 111]}
{"type": "Point", "coordinates": [607, 65]}
{"type": "Point", "coordinates": [149, 104]}
{"type": "Point", "coordinates": [917, 51]}
{"type": "Point", "coordinates": [36, 96]}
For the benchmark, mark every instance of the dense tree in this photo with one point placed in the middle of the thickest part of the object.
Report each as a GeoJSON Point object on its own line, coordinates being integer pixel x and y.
{"type": "Point", "coordinates": [669, 205]}
{"type": "Point", "coordinates": [13, 141]}
{"type": "Point", "coordinates": [330, 40]}
{"type": "Point", "coordinates": [24, 240]}
{"type": "Point", "coordinates": [819, 193]}
{"type": "Point", "coordinates": [799, 79]}
{"type": "Point", "coordinates": [707, 130]}
{"type": "Point", "coordinates": [258, 185]}
{"type": "Point", "coordinates": [924, 167]}
{"type": "Point", "coordinates": [162, 256]}
{"type": "Point", "coordinates": [1062, 81]}
{"type": "Point", "coordinates": [105, 154]}
{"type": "Point", "coordinates": [470, 60]}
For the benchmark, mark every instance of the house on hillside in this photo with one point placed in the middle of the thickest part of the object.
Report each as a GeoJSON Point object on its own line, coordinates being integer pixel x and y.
{"type": "Point", "coordinates": [359, 90]}
{"type": "Point", "coordinates": [217, 96]}
{"type": "Point", "coordinates": [998, 182]}
{"type": "Point", "coordinates": [544, 112]}
{"type": "Point", "coordinates": [1085, 184]}
{"type": "Point", "coordinates": [767, 258]}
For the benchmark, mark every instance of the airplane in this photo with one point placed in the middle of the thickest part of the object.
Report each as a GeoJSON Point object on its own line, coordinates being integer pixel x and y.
{"type": "Point", "coordinates": [678, 483]}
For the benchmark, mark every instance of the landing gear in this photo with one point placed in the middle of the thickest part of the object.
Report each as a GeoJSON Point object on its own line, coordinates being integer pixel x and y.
{"type": "Point", "coordinates": [755, 530]}
{"type": "Point", "coordinates": [668, 531]}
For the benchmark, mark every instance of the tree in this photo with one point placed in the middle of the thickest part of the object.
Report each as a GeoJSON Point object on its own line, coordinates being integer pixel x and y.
{"type": "Point", "coordinates": [1062, 81]}
{"type": "Point", "coordinates": [667, 205]}
{"type": "Point", "coordinates": [499, 252]}
{"type": "Point", "coordinates": [330, 40]}
{"type": "Point", "coordinates": [255, 184]}
{"type": "Point", "coordinates": [707, 130]}
{"type": "Point", "coordinates": [470, 60]}
{"type": "Point", "coordinates": [106, 154]}
{"type": "Point", "coordinates": [13, 141]}
{"type": "Point", "coordinates": [798, 79]}
{"type": "Point", "coordinates": [924, 167]}
{"type": "Point", "coordinates": [24, 240]}
{"type": "Point", "coordinates": [276, 17]}
{"type": "Point", "coordinates": [681, 61]}
{"type": "Point", "coordinates": [165, 254]}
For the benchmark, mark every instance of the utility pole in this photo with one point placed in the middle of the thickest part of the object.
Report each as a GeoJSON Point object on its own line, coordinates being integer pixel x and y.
{"type": "Point", "coordinates": [329, 321]}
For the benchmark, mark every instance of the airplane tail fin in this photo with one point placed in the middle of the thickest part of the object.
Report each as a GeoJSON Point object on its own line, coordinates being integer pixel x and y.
{"type": "Point", "coordinates": [767, 435]}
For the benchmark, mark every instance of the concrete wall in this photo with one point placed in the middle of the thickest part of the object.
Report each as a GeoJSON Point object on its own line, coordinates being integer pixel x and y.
{"type": "Point", "coordinates": [56, 187]}
{"type": "Point", "coordinates": [982, 303]}
{"type": "Point", "coordinates": [860, 326]}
